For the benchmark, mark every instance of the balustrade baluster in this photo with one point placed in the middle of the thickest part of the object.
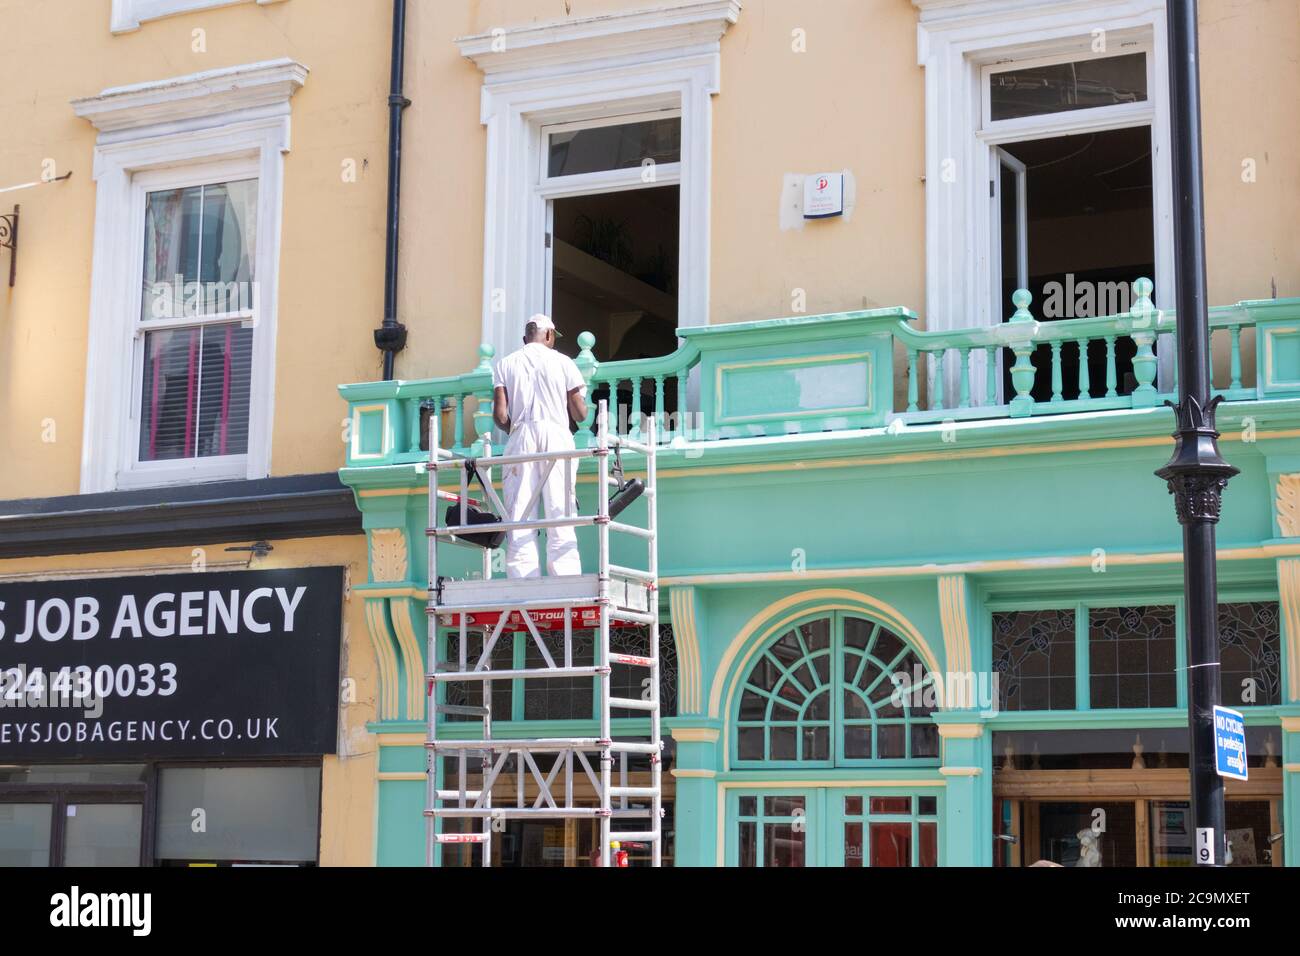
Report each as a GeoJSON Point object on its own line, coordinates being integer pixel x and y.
{"type": "Point", "coordinates": [990, 375]}
{"type": "Point", "coordinates": [912, 388]}
{"type": "Point", "coordinates": [1111, 375]}
{"type": "Point", "coordinates": [659, 409]}
{"type": "Point", "coordinates": [1057, 386]}
{"type": "Point", "coordinates": [1085, 385]}
{"type": "Point", "coordinates": [1236, 356]}
{"type": "Point", "coordinates": [964, 399]}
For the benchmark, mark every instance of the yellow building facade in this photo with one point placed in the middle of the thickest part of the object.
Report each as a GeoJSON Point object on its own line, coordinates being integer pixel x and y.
{"type": "Point", "coordinates": [125, 116]}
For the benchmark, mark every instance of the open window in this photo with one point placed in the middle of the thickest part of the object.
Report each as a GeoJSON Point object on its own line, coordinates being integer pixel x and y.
{"type": "Point", "coordinates": [613, 210]}
{"type": "Point", "coordinates": [1072, 203]}
{"type": "Point", "coordinates": [1077, 95]}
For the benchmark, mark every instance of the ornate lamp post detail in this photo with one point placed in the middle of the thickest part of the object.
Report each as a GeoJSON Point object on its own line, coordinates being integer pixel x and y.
{"type": "Point", "coordinates": [1196, 474]}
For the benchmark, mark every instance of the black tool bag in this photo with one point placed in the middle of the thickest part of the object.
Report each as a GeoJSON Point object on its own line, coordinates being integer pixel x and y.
{"type": "Point", "coordinates": [475, 516]}
{"type": "Point", "coordinates": [627, 491]}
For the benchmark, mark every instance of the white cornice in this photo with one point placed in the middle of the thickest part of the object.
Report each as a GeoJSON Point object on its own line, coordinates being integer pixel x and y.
{"type": "Point", "coordinates": [942, 14]}
{"type": "Point", "coordinates": [196, 96]}
{"type": "Point", "coordinates": [677, 28]}
{"type": "Point", "coordinates": [127, 15]}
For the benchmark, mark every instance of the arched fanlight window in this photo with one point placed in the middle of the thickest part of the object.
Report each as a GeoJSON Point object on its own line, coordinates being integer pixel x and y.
{"type": "Point", "coordinates": [836, 690]}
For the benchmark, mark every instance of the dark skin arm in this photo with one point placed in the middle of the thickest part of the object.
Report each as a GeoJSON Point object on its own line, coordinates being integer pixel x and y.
{"type": "Point", "coordinates": [501, 407]}
{"type": "Point", "coordinates": [577, 406]}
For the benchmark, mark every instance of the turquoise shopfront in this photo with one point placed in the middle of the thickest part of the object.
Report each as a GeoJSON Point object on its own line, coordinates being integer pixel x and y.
{"type": "Point", "coordinates": [914, 614]}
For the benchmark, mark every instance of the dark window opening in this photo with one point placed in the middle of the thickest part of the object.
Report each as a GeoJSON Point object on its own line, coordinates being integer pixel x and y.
{"type": "Point", "coordinates": [1090, 234]}
{"type": "Point", "coordinates": [615, 273]}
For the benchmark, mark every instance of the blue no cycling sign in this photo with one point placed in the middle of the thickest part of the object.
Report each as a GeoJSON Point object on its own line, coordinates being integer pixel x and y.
{"type": "Point", "coordinates": [1230, 743]}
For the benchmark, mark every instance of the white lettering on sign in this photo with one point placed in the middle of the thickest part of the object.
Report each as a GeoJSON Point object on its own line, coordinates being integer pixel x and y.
{"type": "Point", "coordinates": [166, 614]}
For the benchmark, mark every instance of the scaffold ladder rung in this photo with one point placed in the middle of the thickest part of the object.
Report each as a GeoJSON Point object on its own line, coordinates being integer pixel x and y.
{"type": "Point", "coordinates": [530, 744]}
{"type": "Point", "coordinates": [628, 747]}
{"type": "Point", "coordinates": [631, 703]}
{"type": "Point", "coordinates": [632, 792]}
{"type": "Point", "coordinates": [633, 660]}
{"type": "Point", "coordinates": [538, 673]}
{"type": "Point", "coordinates": [519, 813]}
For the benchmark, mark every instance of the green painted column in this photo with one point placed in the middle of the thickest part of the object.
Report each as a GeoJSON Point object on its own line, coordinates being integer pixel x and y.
{"type": "Point", "coordinates": [1291, 786]}
{"type": "Point", "coordinates": [966, 827]}
{"type": "Point", "coordinates": [696, 806]}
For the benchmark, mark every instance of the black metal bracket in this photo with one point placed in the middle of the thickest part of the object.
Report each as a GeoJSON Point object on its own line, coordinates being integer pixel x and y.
{"type": "Point", "coordinates": [258, 549]}
{"type": "Point", "coordinates": [9, 240]}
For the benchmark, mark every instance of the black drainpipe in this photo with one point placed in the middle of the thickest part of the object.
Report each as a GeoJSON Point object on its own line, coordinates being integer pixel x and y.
{"type": "Point", "coordinates": [390, 337]}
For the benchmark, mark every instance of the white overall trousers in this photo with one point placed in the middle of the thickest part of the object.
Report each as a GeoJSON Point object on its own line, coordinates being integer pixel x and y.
{"type": "Point", "coordinates": [520, 482]}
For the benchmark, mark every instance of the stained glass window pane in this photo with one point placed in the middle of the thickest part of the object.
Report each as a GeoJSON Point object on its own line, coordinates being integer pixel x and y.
{"type": "Point", "coordinates": [559, 698]}
{"type": "Point", "coordinates": [1250, 649]}
{"type": "Point", "coordinates": [470, 693]}
{"type": "Point", "coordinates": [1034, 660]}
{"type": "Point", "coordinates": [1132, 655]}
{"type": "Point", "coordinates": [629, 681]}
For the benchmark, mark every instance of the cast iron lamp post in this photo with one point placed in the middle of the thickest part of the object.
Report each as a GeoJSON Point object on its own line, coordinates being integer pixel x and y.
{"type": "Point", "coordinates": [1196, 474]}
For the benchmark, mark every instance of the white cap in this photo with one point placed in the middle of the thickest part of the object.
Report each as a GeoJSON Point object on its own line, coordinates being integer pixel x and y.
{"type": "Point", "coordinates": [543, 322]}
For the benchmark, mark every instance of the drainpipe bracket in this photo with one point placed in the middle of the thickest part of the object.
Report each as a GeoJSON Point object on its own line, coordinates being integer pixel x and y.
{"type": "Point", "coordinates": [390, 338]}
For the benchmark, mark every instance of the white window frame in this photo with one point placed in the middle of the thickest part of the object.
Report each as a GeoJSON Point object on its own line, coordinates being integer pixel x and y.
{"type": "Point", "coordinates": [958, 40]}
{"type": "Point", "coordinates": [603, 182]}
{"type": "Point", "coordinates": [214, 124]}
{"type": "Point", "coordinates": [580, 71]}
{"type": "Point", "coordinates": [129, 14]}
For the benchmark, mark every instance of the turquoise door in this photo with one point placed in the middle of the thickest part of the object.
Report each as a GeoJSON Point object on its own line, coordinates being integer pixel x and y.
{"type": "Point", "coordinates": [833, 826]}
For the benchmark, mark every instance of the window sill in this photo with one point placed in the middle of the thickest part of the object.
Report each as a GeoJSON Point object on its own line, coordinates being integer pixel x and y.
{"type": "Point", "coordinates": [231, 468]}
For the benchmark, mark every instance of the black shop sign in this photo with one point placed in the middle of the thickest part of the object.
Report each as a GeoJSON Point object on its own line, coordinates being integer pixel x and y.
{"type": "Point", "coordinates": [213, 664]}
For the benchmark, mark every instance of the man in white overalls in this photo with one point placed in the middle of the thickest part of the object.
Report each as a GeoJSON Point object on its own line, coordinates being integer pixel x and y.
{"type": "Point", "coordinates": [537, 391]}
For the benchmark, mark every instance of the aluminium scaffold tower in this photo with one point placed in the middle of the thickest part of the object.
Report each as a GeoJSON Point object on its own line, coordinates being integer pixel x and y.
{"type": "Point", "coordinates": [614, 596]}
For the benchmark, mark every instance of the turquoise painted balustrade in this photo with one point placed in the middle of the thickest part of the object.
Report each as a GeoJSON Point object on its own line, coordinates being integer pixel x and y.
{"type": "Point", "coordinates": [856, 370]}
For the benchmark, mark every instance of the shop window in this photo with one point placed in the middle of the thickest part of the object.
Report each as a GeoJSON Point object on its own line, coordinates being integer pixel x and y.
{"type": "Point", "coordinates": [251, 815]}
{"type": "Point", "coordinates": [1088, 834]}
{"type": "Point", "coordinates": [554, 843]}
{"type": "Point", "coordinates": [25, 830]}
{"type": "Point", "coordinates": [1034, 659]}
{"type": "Point", "coordinates": [1132, 657]}
{"type": "Point", "coordinates": [1250, 653]}
{"type": "Point", "coordinates": [87, 815]}
{"type": "Point", "coordinates": [1249, 826]}
{"type": "Point", "coordinates": [836, 690]}
{"type": "Point", "coordinates": [103, 834]}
